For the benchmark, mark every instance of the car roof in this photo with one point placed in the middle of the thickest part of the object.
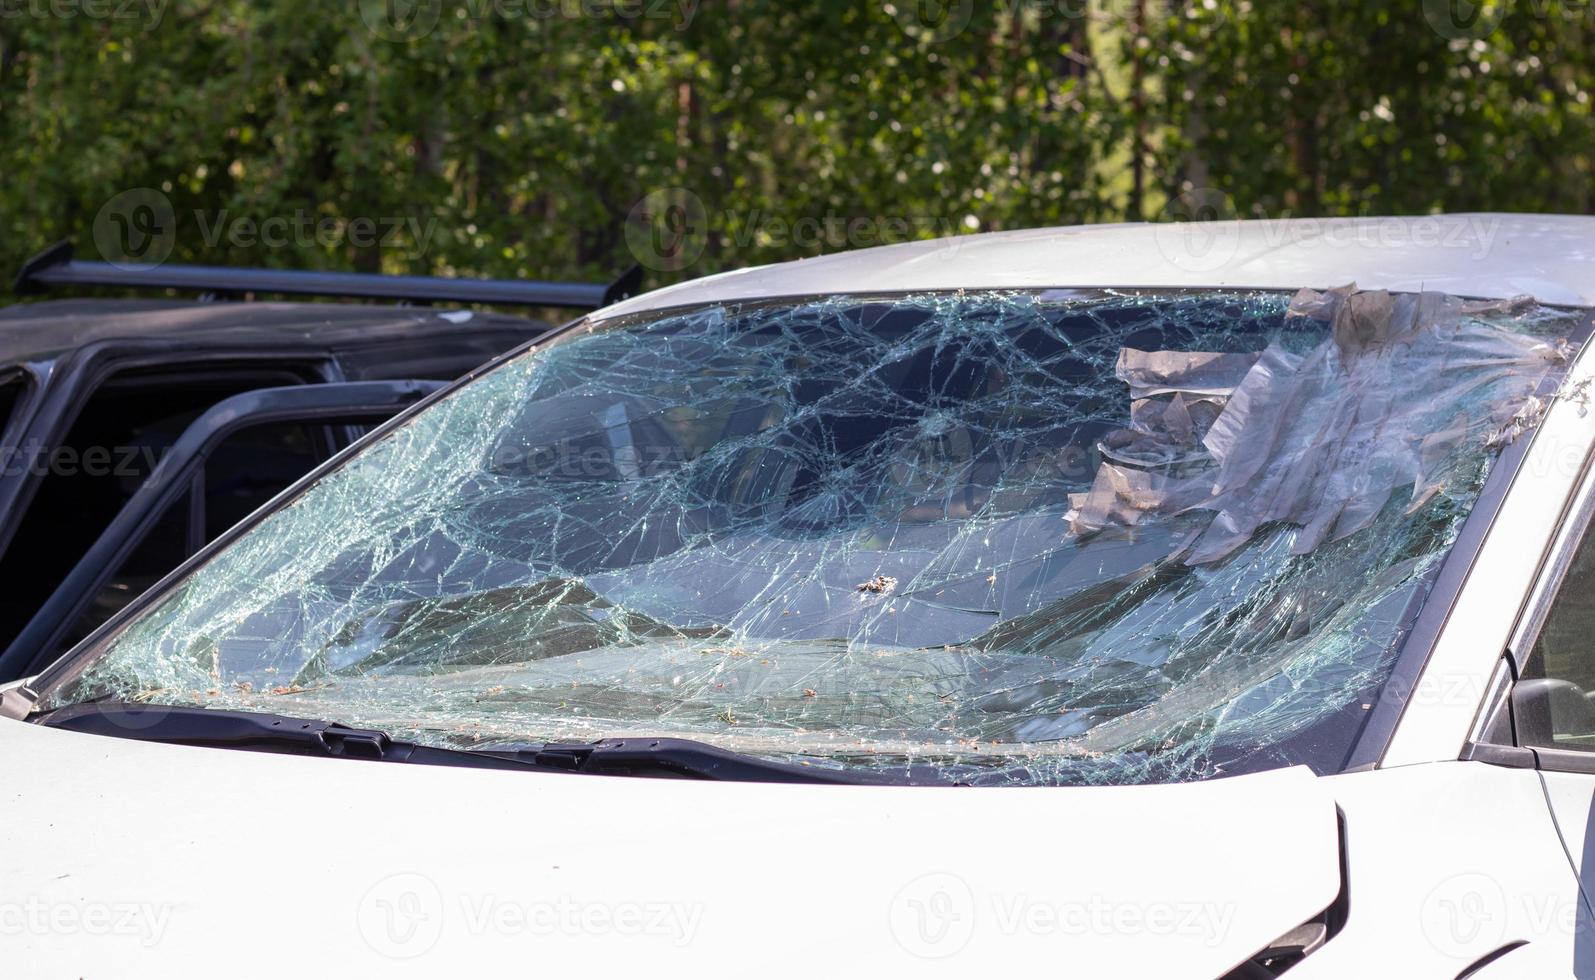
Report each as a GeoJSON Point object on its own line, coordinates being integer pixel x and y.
{"type": "Point", "coordinates": [42, 331]}
{"type": "Point", "coordinates": [1550, 257]}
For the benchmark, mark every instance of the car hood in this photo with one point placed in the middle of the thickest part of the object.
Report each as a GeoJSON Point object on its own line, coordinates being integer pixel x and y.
{"type": "Point", "coordinates": [123, 858]}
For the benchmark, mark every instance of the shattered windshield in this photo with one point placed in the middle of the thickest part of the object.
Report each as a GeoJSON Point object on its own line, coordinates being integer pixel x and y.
{"type": "Point", "coordinates": [1044, 538]}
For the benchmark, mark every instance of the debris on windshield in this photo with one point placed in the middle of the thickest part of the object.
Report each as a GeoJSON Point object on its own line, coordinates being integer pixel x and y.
{"type": "Point", "coordinates": [878, 585]}
{"type": "Point", "coordinates": [1577, 392]}
{"type": "Point", "coordinates": [1525, 419]}
{"type": "Point", "coordinates": [1318, 440]}
{"type": "Point", "coordinates": [1097, 538]}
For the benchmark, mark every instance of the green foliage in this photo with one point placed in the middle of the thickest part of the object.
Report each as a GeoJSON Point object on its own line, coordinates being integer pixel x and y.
{"type": "Point", "coordinates": [1329, 108]}
{"type": "Point", "coordinates": [516, 137]}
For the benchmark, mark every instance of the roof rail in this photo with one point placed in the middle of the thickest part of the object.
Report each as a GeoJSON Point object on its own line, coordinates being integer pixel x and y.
{"type": "Point", "coordinates": [56, 266]}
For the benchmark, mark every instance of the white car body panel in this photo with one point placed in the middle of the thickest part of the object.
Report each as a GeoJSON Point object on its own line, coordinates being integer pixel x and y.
{"type": "Point", "coordinates": [285, 865]}
{"type": "Point", "coordinates": [1450, 862]}
{"type": "Point", "coordinates": [124, 858]}
{"type": "Point", "coordinates": [1549, 257]}
{"type": "Point", "coordinates": [192, 850]}
{"type": "Point", "coordinates": [1571, 797]}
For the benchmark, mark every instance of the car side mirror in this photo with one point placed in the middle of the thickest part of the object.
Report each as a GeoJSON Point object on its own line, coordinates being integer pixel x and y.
{"type": "Point", "coordinates": [1544, 707]}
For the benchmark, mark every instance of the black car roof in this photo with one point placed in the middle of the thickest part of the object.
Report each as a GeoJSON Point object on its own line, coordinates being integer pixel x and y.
{"type": "Point", "coordinates": [44, 330]}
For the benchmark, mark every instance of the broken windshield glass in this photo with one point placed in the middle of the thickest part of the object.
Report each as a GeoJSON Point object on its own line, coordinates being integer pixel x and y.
{"type": "Point", "coordinates": [1027, 538]}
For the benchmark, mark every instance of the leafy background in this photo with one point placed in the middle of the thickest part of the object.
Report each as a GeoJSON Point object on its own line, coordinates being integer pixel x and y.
{"type": "Point", "coordinates": [521, 134]}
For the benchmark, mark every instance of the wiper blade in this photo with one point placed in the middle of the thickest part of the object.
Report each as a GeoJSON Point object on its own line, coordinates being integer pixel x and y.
{"type": "Point", "coordinates": [689, 759]}
{"type": "Point", "coordinates": [257, 731]}
{"type": "Point", "coordinates": [264, 732]}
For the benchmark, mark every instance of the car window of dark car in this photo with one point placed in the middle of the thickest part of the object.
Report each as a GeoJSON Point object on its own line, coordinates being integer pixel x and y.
{"type": "Point", "coordinates": [12, 388]}
{"type": "Point", "coordinates": [246, 470]}
{"type": "Point", "coordinates": [118, 437]}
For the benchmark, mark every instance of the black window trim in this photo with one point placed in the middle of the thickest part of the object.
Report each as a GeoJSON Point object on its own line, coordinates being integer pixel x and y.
{"type": "Point", "coordinates": [12, 424]}
{"type": "Point", "coordinates": [59, 396]}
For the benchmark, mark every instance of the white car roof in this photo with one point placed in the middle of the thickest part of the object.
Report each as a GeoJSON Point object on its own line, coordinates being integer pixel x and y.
{"type": "Point", "coordinates": [1550, 257]}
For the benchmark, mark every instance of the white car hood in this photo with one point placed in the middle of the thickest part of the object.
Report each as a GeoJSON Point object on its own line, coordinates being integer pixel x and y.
{"type": "Point", "coordinates": [121, 858]}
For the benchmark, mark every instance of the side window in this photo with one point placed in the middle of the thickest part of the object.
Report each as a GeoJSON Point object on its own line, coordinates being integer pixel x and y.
{"type": "Point", "coordinates": [1556, 695]}
{"type": "Point", "coordinates": [161, 550]}
{"type": "Point", "coordinates": [120, 434]}
{"type": "Point", "coordinates": [12, 387]}
{"type": "Point", "coordinates": [245, 471]}
{"type": "Point", "coordinates": [256, 464]}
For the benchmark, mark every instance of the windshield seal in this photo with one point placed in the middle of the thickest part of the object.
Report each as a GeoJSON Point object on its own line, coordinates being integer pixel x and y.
{"type": "Point", "coordinates": [1377, 727]}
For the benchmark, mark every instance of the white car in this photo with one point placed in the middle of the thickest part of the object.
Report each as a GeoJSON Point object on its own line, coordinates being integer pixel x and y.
{"type": "Point", "coordinates": [1131, 601]}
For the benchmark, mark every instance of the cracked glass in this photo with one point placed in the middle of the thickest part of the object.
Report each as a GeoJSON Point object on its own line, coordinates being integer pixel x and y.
{"type": "Point", "coordinates": [1049, 538]}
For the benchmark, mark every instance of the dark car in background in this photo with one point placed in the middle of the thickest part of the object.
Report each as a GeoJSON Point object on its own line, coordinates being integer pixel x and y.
{"type": "Point", "coordinates": [230, 402]}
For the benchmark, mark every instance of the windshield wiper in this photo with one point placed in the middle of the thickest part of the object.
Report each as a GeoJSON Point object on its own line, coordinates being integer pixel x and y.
{"type": "Point", "coordinates": [685, 758]}
{"type": "Point", "coordinates": [263, 732]}
{"type": "Point", "coordinates": [255, 731]}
